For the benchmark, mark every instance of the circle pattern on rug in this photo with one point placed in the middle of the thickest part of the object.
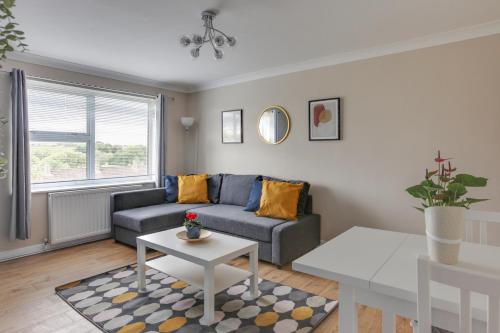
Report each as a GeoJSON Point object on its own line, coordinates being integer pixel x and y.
{"type": "Point", "coordinates": [172, 324]}
{"type": "Point", "coordinates": [133, 328]}
{"type": "Point", "coordinates": [249, 312]}
{"type": "Point", "coordinates": [233, 305]}
{"type": "Point", "coordinates": [266, 319]}
{"type": "Point", "coordinates": [228, 325]}
{"type": "Point", "coordinates": [112, 302]}
{"type": "Point", "coordinates": [302, 313]}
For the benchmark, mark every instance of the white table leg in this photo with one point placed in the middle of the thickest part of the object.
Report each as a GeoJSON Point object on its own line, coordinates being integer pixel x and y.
{"type": "Point", "coordinates": [254, 268]}
{"type": "Point", "coordinates": [141, 263]}
{"type": "Point", "coordinates": [388, 322]}
{"type": "Point", "coordinates": [208, 296]}
{"type": "Point", "coordinates": [348, 312]}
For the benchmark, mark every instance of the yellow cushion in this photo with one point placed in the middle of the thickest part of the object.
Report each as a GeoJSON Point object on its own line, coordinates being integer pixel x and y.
{"type": "Point", "coordinates": [193, 189]}
{"type": "Point", "coordinates": [279, 200]}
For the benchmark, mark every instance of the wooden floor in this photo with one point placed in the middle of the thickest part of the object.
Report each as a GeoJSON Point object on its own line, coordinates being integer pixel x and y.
{"type": "Point", "coordinates": [28, 302]}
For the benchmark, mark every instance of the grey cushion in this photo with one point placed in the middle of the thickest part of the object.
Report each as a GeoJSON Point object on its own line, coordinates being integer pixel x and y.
{"type": "Point", "coordinates": [234, 220]}
{"type": "Point", "coordinates": [304, 193]}
{"type": "Point", "coordinates": [154, 217]}
{"type": "Point", "coordinates": [235, 189]}
{"type": "Point", "coordinates": [214, 182]}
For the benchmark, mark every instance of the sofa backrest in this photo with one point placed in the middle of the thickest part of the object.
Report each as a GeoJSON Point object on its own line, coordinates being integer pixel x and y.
{"type": "Point", "coordinates": [235, 189]}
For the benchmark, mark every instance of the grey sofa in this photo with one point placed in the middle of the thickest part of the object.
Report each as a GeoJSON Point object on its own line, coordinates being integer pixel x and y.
{"type": "Point", "coordinates": [136, 213]}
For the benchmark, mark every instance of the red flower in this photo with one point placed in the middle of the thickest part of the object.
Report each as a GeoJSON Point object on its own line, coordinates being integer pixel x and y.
{"type": "Point", "coordinates": [191, 216]}
{"type": "Point", "coordinates": [438, 159]}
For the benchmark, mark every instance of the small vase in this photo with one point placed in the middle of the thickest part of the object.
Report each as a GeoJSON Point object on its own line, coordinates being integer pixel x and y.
{"type": "Point", "coordinates": [193, 232]}
{"type": "Point", "coordinates": [444, 227]}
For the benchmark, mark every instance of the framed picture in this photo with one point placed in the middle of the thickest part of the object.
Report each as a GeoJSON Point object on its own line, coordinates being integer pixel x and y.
{"type": "Point", "coordinates": [232, 126]}
{"type": "Point", "coordinates": [324, 119]}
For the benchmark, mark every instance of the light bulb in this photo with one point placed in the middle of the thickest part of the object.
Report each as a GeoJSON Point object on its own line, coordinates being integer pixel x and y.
{"type": "Point", "coordinates": [197, 40]}
{"type": "Point", "coordinates": [185, 41]}
{"type": "Point", "coordinates": [218, 54]}
{"type": "Point", "coordinates": [231, 41]}
{"type": "Point", "coordinates": [219, 40]}
{"type": "Point", "coordinates": [195, 53]}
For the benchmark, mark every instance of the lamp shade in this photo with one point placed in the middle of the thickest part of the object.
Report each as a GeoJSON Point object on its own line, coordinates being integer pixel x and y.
{"type": "Point", "coordinates": [187, 122]}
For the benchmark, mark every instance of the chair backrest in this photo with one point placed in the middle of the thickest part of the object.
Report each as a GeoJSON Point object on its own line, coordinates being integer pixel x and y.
{"type": "Point", "coordinates": [464, 279]}
{"type": "Point", "coordinates": [482, 218]}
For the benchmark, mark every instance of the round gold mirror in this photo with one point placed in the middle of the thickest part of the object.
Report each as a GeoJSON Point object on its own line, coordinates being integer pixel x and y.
{"type": "Point", "coordinates": [274, 125]}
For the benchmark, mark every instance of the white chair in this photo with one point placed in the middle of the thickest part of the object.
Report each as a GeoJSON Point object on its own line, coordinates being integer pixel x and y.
{"type": "Point", "coordinates": [467, 281]}
{"type": "Point", "coordinates": [482, 218]}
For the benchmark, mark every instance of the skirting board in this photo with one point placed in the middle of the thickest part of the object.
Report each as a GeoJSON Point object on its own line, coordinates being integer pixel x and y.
{"type": "Point", "coordinates": [40, 248]}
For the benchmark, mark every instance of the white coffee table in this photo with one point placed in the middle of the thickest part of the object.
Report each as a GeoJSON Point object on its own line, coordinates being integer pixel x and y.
{"type": "Point", "coordinates": [202, 264]}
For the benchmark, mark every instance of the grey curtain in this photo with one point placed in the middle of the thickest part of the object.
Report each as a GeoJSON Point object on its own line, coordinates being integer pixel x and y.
{"type": "Point", "coordinates": [162, 135]}
{"type": "Point", "coordinates": [20, 220]}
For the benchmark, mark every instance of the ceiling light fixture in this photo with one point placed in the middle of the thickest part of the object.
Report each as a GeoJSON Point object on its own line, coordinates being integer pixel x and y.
{"type": "Point", "coordinates": [213, 36]}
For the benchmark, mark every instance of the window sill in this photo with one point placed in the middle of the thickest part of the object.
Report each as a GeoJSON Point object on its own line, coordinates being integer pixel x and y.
{"type": "Point", "coordinates": [68, 187]}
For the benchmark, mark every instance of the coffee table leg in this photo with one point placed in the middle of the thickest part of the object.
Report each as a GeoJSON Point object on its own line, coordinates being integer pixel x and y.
{"type": "Point", "coordinates": [254, 268]}
{"type": "Point", "coordinates": [141, 263]}
{"type": "Point", "coordinates": [348, 311]}
{"type": "Point", "coordinates": [208, 297]}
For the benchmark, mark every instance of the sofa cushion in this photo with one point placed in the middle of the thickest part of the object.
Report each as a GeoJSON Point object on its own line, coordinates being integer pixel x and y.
{"type": "Point", "coordinates": [235, 189]}
{"type": "Point", "coordinates": [144, 219]}
{"type": "Point", "coordinates": [304, 194]}
{"type": "Point", "coordinates": [171, 188]}
{"type": "Point", "coordinates": [279, 200]}
{"type": "Point", "coordinates": [214, 182]}
{"type": "Point", "coordinates": [253, 203]}
{"type": "Point", "coordinates": [234, 220]}
{"type": "Point", "coordinates": [193, 189]}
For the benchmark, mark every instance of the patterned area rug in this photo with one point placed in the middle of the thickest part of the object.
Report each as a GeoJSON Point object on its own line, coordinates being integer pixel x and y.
{"type": "Point", "coordinates": [112, 303]}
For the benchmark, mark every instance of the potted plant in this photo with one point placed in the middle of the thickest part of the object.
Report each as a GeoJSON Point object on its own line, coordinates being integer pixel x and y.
{"type": "Point", "coordinates": [193, 226]}
{"type": "Point", "coordinates": [444, 204]}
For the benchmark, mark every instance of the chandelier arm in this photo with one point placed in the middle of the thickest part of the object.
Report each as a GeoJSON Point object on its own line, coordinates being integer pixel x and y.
{"type": "Point", "coordinates": [223, 34]}
{"type": "Point", "coordinates": [211, 35]}
{"type": "Point", "coordinates": [212, 42]}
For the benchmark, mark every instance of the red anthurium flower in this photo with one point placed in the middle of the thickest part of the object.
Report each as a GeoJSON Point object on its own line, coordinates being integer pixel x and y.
{"type": "Point", "coordinates": [438, 159]}
{"type": "Point", "coordinates": [191, 216]}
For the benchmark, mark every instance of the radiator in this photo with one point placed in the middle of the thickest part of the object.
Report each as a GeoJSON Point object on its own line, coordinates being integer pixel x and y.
{"type": "Point", "coordinates": [80, 214]}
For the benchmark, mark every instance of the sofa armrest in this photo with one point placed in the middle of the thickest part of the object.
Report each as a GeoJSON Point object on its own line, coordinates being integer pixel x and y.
{"type": "Point", "coordinates": [293, 239]}
{"type": "Point", "coordinates": [136, 199]}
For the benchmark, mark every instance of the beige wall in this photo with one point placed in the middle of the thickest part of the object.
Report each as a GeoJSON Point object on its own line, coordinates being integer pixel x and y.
{"type": "Point", "coordinates": [175, 141]}
{"type": "Point", "coordinates": [397, 111]}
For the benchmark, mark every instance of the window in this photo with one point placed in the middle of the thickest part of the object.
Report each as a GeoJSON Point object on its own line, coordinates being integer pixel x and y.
{"type": "Point", "coordinates": [85, 136]}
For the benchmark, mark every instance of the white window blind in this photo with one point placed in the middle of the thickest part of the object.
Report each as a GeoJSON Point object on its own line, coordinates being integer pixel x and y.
{"type": "Point", "coordinates": [83, 135]}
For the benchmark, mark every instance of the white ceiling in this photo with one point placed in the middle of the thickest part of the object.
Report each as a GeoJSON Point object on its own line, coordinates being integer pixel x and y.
{"type": "Point", "coordinates": [140, 38]}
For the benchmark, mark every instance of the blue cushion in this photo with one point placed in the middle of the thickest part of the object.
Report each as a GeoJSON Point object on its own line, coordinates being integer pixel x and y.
{"type": "Point", "coordinates": [253, 203]}
{"type": "Point", "coordinates": [171, 188]}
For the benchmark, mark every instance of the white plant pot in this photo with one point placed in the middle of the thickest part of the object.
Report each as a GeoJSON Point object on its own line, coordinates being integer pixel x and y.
{"type": "Point", "coordinates": [444, 228]}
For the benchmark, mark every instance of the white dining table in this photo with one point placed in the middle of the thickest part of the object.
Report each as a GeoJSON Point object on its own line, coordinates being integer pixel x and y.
{"type": "Point", "coordinates": [378, 268]}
